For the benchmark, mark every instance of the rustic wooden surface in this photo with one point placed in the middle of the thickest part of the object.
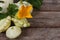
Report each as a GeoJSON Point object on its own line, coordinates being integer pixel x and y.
{"type": "Point", "coordinates": [48, 15]}
{"type": "Point", "coordinates": [44, 26]}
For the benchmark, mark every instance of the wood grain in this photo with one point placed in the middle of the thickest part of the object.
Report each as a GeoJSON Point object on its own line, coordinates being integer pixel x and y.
{"type": "Point", "coordinates": [51, 5]}
{"type": "Point", "coordinates": [36, 34]}
{"type": "Point", "coordinates": [48, 15]}
{"type": "Point", "coordinates": [45, 19]}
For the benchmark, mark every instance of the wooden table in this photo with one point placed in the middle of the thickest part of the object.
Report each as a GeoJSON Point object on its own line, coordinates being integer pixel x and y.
{"type": "Point", "coordinates": [44, 26]}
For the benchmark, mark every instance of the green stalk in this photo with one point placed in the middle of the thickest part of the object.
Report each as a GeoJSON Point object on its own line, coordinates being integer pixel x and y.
{"type": "Point", "coordinates": [21, 1]}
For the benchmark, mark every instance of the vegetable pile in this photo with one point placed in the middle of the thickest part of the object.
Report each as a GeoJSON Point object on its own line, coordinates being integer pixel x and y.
{"type": "Point", "coordinates": [18, 14]}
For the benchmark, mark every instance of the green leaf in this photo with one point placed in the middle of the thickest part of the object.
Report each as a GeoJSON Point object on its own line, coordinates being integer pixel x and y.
{"type": "Point", "coordinates": [2, 16]}
{"type": "Point", "coordinates": [0, 8]}
{"type": "Point", "coordinates": [36, 3]}
{"type": "Point", "coordinates": [12, 9]}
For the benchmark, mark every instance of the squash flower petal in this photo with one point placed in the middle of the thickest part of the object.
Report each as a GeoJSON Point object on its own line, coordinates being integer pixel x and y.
{"type": "Point", "coordinates": [24, 12]}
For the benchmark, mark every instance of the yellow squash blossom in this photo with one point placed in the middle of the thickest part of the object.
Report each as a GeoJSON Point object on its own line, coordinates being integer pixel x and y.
{"type": "Point", "coordinates": [24, 12]}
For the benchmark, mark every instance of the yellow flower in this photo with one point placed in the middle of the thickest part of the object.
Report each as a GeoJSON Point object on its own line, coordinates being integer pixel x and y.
{"type": "Point", "coordinates": [24, 12]}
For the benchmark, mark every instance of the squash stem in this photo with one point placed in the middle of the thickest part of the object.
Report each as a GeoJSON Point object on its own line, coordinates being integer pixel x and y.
{"type": "Point", "coordinates": [21, 1]}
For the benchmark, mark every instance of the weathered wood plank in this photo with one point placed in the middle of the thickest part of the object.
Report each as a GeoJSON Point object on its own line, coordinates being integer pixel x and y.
{"type": "Point", "coordinates": [51, 1]}
{"type": "Point", "coordinates": [44, 23]}
{"type": "Point", "coordinates": [36, 34]}
{"type": "Point", "coordinates": [50, 5]}
{"type": "Point", "coordinates": [45, 19]}
{"type": "Point", "coordinates": [46, 15]}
